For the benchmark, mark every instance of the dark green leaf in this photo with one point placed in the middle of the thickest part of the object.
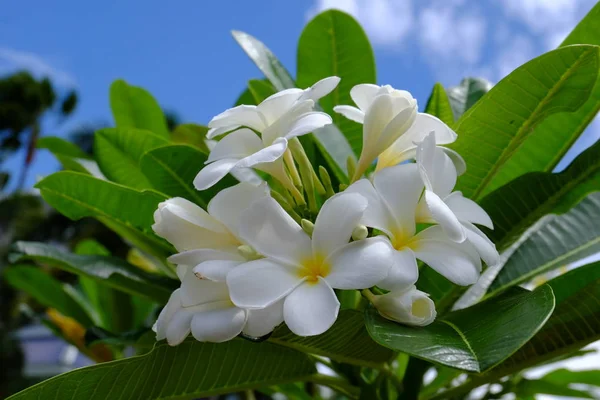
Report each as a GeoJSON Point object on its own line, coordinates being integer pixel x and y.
{"type": "Point", "coordinates": [189, 371]}
{"type": "Point", "coordinates": [47, 290]}
{"type": "Point", "coordinates": [566, 376]}
{"type": "Point", "coordinates": [475, 339]}
{"type": "Point", "coordinates": [552, 138]}
{"type": "Point", "coordinates": [329, 140]}
{"type": "Point", "coordinates": [134, 107]}
{"type": "Point", "coordinates": [465, 95]}
{"type": "Point", "coordinates": [490, 133]}
{"type": "Point", "coordinates": [192, 134]}
{"type": "Point", "coordinates": [334, 44]}
{"type": "Point", "coordinates": [110, 271]}
{"type": "Point", "coordinates": [119, 151]}
{"type": "Point", "coordinates": [346, 341]}
{"type": "Point", "coordinates": [439, 106]}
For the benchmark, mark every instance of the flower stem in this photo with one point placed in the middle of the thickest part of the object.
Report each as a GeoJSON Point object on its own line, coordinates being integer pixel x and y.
{"type": "Point", "coordinates": [286, 206]}
{"type": "Point", "coordinates": [291, 166]}
{"type": "Point", "coordinates": [368, 295]}
{"type": "Point", "coordinates": [326, 181]}
{"type": "Point", "coordinates": [306, 172]}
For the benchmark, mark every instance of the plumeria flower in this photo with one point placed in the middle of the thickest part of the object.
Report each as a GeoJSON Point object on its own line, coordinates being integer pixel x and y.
{"type": "Point", "coordinates": [455, 213]}
{"type": "Point", "coordinates": [303, 271]}
{"type": "Point", "coordinates": [393, 197]}
{"type": "Point", "coordinates": [386, 114]}
{"type": "Point", "coordinates": [409, 306]}
{"type": "Point", "coordinates": [203, 308]}
{"type": "Point", "coordinates": [280, 117]}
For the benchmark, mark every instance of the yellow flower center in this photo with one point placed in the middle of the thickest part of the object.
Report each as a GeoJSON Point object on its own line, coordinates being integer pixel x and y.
{"type": "Point", "coordinates": [313, 268]}
{"type": "Point", "coordinates": [401, 240]}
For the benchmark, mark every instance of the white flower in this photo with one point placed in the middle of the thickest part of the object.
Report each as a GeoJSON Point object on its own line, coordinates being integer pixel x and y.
{"type": "Point", "coordinates": [393, 198]}
{"type": "Point", "coordinates": [203, 308]}
{"type": "Point", "coordinates": [456, 214]}
{"type": "Point", "coordinates": [409, 306]}
{"type": "Point", "coordinates": [304, 271]}
{"type": "Point", "coordinates": [282, 116]}
{"type": "Point", "coordinates": [386, 114]}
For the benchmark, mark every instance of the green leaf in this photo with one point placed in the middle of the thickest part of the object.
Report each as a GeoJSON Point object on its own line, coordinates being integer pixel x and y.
{"type": "Point", "coordinates": [475, 339]}
{"type": "Point", "coordinates": [490, 132]}
{"type": "Point", "coordinates": [574, 323]}
{"type": "Point", "coordinates": [111, 271]}
{"type": "Point", "coordinates": [125, 210]}
{"type": "Point", "coordinates": [465, 95]}
{"type": "Point", "coordinates": [334, 44]}
{"type": "Point", "coordinates": [171, 169]}
{"type": "Point", "coordinates": [47, 290]}
{"type": "Point", "coordinates": [134, 107]}
{"type": "Point", "coordinates": [329, 140]}
{"type": "Point", "coordinates": [119, 151]}
{"type": "Point", "coordinates": [529, 388]}
{"type": "Point", "coordinates": [346, 341]}
{"type": "Point", "coordinates": [552, 138]}
{"type": "Point", "coordinates": [60, 146]}
{"type": "Point", "coordinates": [566, 376]}
{"type": "Point", "coordinates": [555, 241]}
{"type": "Point", "coordinates": [191, 134]}
{"type": "Point", "coordinates": [189, 371]}
{"type": "Point", "coordinates": [439, 106]}
{"type": "Point", "coordinates": [519, 204]}
{"type": "Point", "coordinates": [260, 89]}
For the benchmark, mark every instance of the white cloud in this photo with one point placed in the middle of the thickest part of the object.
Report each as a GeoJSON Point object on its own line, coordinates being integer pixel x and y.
{"type": "Point", "coordinates": [387, 22]}
{"type": "Point", "coordinates": [13, 60]}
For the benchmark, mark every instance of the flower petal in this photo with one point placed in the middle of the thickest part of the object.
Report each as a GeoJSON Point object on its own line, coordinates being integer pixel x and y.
{"type": "Point", "coordinates": [260, 283]}
{"type": "Point", "coordinates": [444, 216]}
{"type": "Point", "coordinates": [266, 155]}
{"type": "Point", "coordinates": [308, 123]}
{"type": "Point", "coordinates": [195, 291]}
{"type": "Point", "coordinates": [218, 325]}
{"type": "Point", "coordinates": [363, 95]}
{"type": "Point", "coordinates": [403, 272]}
{"type": "Point", "coordinates": [215, 270]}
{"type": "Point", "coordinates": [352, 113]}
{"type": "Point", "coordinates": [400, 188]}
{"type": "Point", "coordinates": [322, 88]}
{"type": "Point", "coordinates": [484, 246]}
{"type": "Point", "coordinates": [166, 314]}
{"type": "Point", "coordinates": [284, 124]}
{"type": "Point", "coordinates": [273, 233]}
{"type": "Point", "coordinates": [360, 264]}
{"type": "Point", "coordinates": [213, 173]}
{"type": "Point", "coordinates": [457, 160]}
{"type": "Point", "coordinates": [229, 204]}
{"type": "Point", "coordinates": [437, 169]}
{"type": "Point", "coordinates": [311, 308]}
{"type": "Point", "coordinates": [396, 127]}
{"type": "Point", "coordinates": [180, 325]}
{"type": "Point", "coordinates": [242, 115]}
{"type": "Point", "coordinates": [274, 106]}
{"type": "Point", "coordinates": [410, 307]}
{"type": "Point", "coordinates": [262, 322]}
{"type": "Point", "coordinates": [336, 220]}
{"type": "Point", "coordinates": [194, 257]}
{"type": "Point", "coordinates": [467, 210]}
{"type": "Point", "coordinates": [377, 116]}
{"type": "Point", "coordinates": [214, 132]}
{"type": "Point", "coordinates": [238, 144]}
{"type": "Point", "coordinates": [377, 215]}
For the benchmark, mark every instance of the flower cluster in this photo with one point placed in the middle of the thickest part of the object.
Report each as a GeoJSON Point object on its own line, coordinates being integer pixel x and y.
{"type": "Point", "coordinates": [265, 254]}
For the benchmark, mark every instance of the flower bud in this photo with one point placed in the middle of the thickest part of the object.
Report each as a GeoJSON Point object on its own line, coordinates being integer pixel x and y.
{"type": "Point", "coordinates": [248, 252]}
{"type": "Point", "coordinates": [360, 232]}
{"type": "Point", "coordinates": [307, 226]}
{"type": "Point", "coordinates": [409, 307]}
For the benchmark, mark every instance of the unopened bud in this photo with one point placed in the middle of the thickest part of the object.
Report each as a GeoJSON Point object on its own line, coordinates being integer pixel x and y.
{"type": "Point", "coordinates": [351, 165]}
{"type": "Point", "coordinates": [248, 252]}
{"type": "Point", "coordinates": [307, 226]}
{"type": "Point", "coordinates": [360, 232]}
{"type": "Point", "coordinates": [409, 307]}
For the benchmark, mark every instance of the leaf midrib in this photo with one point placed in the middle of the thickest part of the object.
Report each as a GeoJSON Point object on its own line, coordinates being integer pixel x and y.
{"type": "Point", "coordinates": [465, 340]}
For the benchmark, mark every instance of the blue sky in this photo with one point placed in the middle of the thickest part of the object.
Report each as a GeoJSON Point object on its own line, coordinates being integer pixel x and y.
{"type": "Point", "coordinates": [183, 53]}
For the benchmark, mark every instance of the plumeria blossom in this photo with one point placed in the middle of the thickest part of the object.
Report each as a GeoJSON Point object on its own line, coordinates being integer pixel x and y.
{"type": "Point", "coordinates": [386, 114]}
{"type": "Point", "coordinates": [409, 306]}
{"type": "Point", "coordinates": [208, 243]}
{"type": "Point", "coordinates": [280, 117]}
{"type": "Point", "coordinates": [455, 213]}
{"type": "Point", "coordinates": [303, 271]}
{"type": "Point", "coordinates": [393, 197]}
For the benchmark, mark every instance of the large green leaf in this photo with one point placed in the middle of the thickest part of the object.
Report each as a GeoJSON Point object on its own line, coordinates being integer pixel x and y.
{"type": "Point", "coordinates": [134, 107]}
{"type": "Point", "coordinates": [125, 210]}
{"type": "Point", "coordinates": [565, 377]}
{"type": "Point", "coordinates": [334, 44]}
{"type": "Point", "coordinates": [491, 131]}
{"type": "Point", "coordinates": [119, 151]}
{"type": "Point", "coordinates": [47, 290]}
{"type": "Point", "coordinates": [192, 134]}
{"type": "Point", "coordinates": [111, 271]}
{"type": "Point", "coordinates": [189, 371]}
{"type": "Point", "coordinates": [466, 94]}
{"type": "Point", "coordinates": [438, 104]}
{"type": "Point", "coordinates": [70, 156]}
{"type": "Point", "coordinates": [346, 341]}
{"type": "Point", "coordinates": [475, 339]}
{"type": "Point", "coordinates": [330, 141]}
{"type": "Point", "coordinates": [519, 204]}
{"type": "Point", "coordinates": [551, 139]}
{"type": "Point", "coordinates": [553, 242]}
